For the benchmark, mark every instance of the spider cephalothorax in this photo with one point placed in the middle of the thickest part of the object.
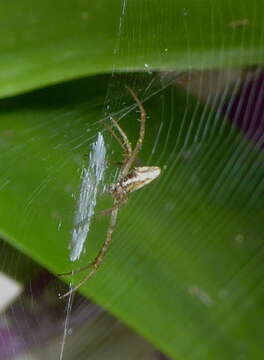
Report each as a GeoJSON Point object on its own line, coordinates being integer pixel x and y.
{"type": "Point", "coordinates": [130, 179]}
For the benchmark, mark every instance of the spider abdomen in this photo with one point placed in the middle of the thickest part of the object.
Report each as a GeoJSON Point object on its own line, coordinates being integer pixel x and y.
{"type": "Point", "coordinates": [139, 177]}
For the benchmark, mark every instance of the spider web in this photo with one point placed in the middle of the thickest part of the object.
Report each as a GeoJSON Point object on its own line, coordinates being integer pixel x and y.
{"type": "Point", "coordinates": [188, 250]}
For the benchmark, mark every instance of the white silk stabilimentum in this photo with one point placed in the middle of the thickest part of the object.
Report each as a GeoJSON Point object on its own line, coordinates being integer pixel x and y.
{"type": "Point", "coordinates": [91, 178]}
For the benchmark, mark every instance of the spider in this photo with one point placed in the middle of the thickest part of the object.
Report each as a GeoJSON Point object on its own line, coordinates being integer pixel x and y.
{"type": "Point", "coordinates": [130, 178]}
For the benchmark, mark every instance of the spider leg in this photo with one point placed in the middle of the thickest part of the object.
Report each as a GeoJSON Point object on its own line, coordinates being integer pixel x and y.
{"type": "Point", "coordinates": [139, 143]}
{"type": "Point", "coordinates": [124, 143]}
{"type": "Point", "coordinates": [76, 271]}
{"type": "Point", "coordinates": [99, 258]}
{"type": "Point", "coordinates": [96, 216]}
{"type": "Point", "coordinates": [104, 212]}
{"type": "Point", "coordinates": [115, 136]}
{"type": "Point", "coordinates": [115, 163]}
{"type": "Point", "coordinates": [118, 203]}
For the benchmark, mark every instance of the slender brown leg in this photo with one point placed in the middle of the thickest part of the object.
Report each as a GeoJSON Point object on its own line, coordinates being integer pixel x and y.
{"type": "Point", "coordinates": [77, 271]}
{"type": "Point", "coordinates": [138, 146]}
{"type": "Point", "coordinates": [99, 258]}
{"type": "Point", "coordinates": [125, 144]}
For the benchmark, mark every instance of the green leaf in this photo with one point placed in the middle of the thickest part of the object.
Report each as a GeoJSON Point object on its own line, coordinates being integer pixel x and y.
{"type": "Point", "coordinates": [186, 265]}
{"type": "Point", "coordinates": [46, 42]}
